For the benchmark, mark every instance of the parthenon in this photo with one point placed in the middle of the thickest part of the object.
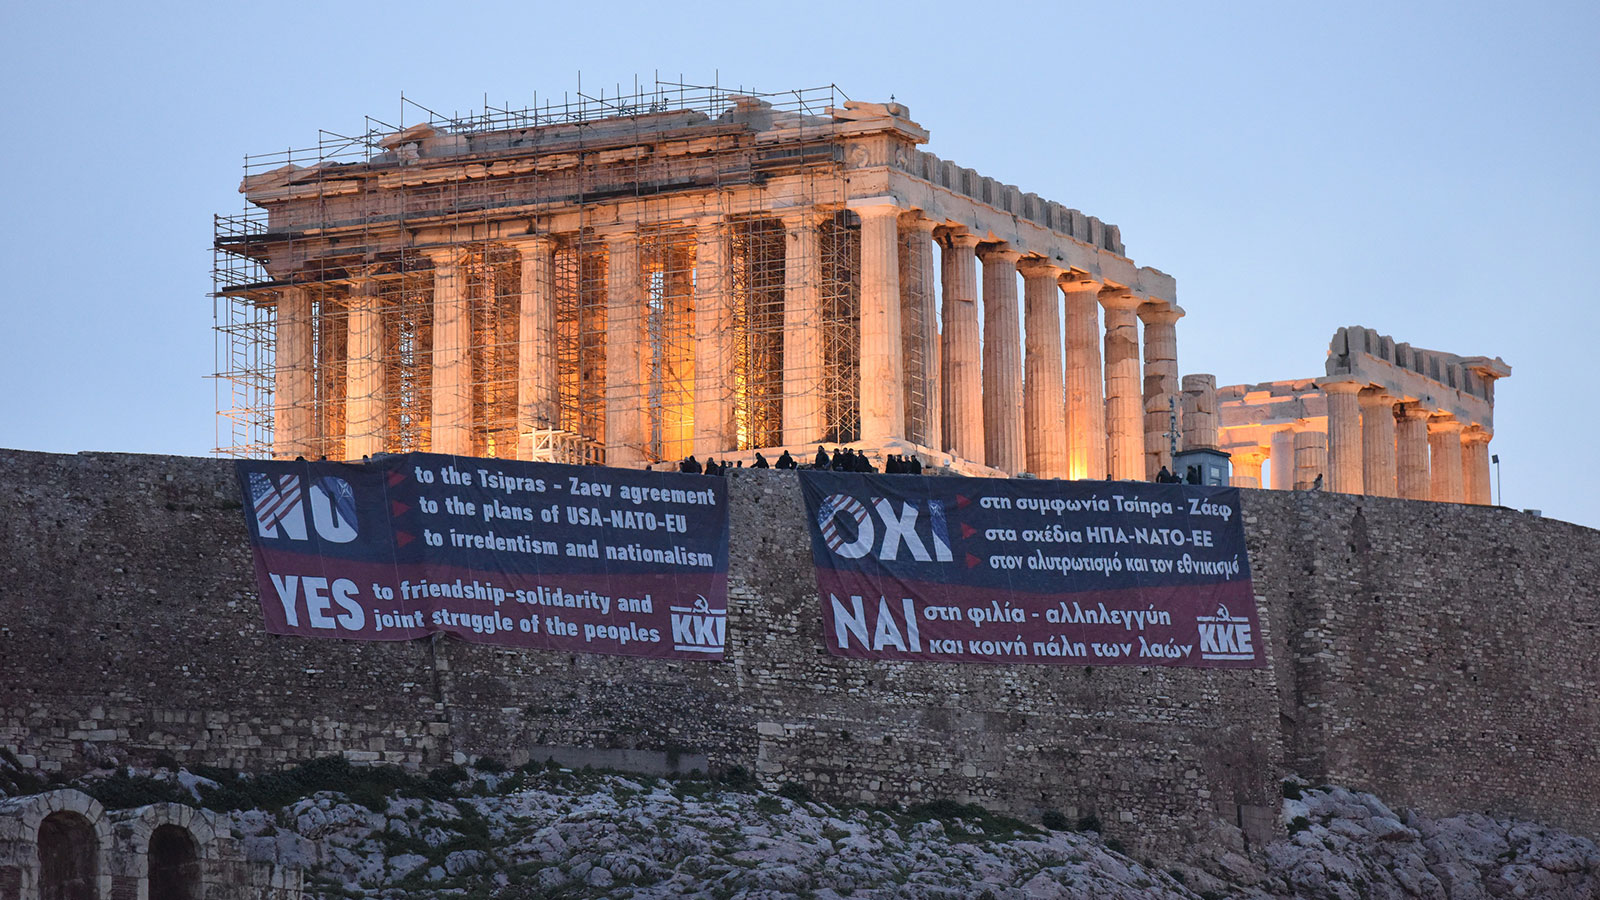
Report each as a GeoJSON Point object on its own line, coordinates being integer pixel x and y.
{"type": "Point", "coordinates": [1387, 420]}
{"type": "Point", "coordinates": [683, 270]}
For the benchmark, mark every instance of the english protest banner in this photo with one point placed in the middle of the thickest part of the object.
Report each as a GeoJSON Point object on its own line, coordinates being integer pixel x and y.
{"type": "Point", "coordinates": [1016, 570]}
{"type": "Point", "coordinates": [517, 554]}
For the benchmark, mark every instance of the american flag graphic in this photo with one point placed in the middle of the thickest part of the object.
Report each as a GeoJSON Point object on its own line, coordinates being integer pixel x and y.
{"type": "Point", "coordinates": [274, 501]}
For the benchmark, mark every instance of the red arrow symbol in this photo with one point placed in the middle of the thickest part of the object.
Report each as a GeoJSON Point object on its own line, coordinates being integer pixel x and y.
{"type": "Point", "coordinates": [961, 502]}
{"type": "Point", "coordinates": [967, 530]}
{"type": "Point", "coordinates": [401, 538]}
{"type": "Point", "coordinates": [972, 560]}
{"type": "Point", "coordinates": [397, 508]}
{"type": "Point", "coordinates": [397, 476]}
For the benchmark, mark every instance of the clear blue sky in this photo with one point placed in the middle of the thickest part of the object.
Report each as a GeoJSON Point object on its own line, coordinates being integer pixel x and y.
{"type": "Point", "coordinates": [1429, 170]}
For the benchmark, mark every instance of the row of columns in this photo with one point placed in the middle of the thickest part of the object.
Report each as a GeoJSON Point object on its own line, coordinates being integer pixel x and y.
{"type": "Point", "coordinates": [1378, 446]}
{"type": "Point", "coordinates": [1055, 407]}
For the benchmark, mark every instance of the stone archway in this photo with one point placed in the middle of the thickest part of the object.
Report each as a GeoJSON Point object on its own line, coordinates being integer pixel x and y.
{"type": "Point", "coordinates": [174, 864]}
{"type": "Point", "coordinates": [69, 858]}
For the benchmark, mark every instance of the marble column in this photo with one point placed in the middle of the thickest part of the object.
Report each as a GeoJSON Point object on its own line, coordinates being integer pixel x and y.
{"type": "Point", "coordinates": [1247, 469]}
{"type": "Point", "coordinates": [1124, 400]}
{"type": "Point", "coordinates": [960, 362]}
{"type": "Point", "coordinates": [802, 328]}
{"type": "Point", "coordinates": [1002, 361]}
{"type": "Point", "coordinates": [538, 383]}
{"type": "Point", "coordinates": [1160, 383]}
{"type": "Point", "coordinates": [1344, 437]}
{"type": "Point", "coordinates": [293, 399]}
{"type": "Point", "coordinates": [452, 357]}
{"type": "Point", "coordinates": [366, 408]}
{"type": "Point", "coordinates": [1200, 412]}
{"type": "Point", "coordinates": [1411, 451]}
{"type": "Point", "coordinates": [714, 430]}
{"type": "Point", "coordinates": [919, 325]}
{"type": "Point", "coordinates": [1475, 466]}
{"type": "Point", "coordinates": [1086, 399]}
{"type": "Point", "coordinates": [1310, 459]}
{"type": "Point", "coordinates": [1444, 467]}
{"type": "Point", "coordinates": [677, 351]}
{"type": "Point", "coordinates": [626, 334]}
{"type": "Point", "coordinates": [882, 365]}
{"type": "Point", "coordinates": [1377, 443]}
{"type": "Point", "coordinates": [1043, 391]}
{"type": "Point", "coordinates": [1281, 454]}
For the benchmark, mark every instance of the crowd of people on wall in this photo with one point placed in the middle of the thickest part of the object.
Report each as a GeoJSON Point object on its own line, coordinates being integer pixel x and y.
{"type": "Point", "coordinates": [843, 459]}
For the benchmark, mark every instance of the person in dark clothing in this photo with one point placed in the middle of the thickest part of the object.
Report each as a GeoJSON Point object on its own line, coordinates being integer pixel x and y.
{"type": "Point", "coordinates": [1166, 477]}
{"type": "Point", "coordinates": [840, 461]}
{"type": "Point", "coordinates": [1194, 475]}
{"type": "Point", "coordinates": [785, 461]}
{"type": "Point", "coordinates": [761, 462]}
{"type": "Point", "coordinates": [892, 465]}
{"type": "Point", "coordinates": [821, 462]}
{"type": "Point", "coordinates": [712, 467]}
{"type": "Point", "coordinates": [916, 465]}
{"type": "Point", "coordinates": [692, 466]}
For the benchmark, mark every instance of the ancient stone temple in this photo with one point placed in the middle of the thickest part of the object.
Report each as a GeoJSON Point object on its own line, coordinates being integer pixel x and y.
{"type": "Point", "coordinates": [682, 270]}
{"type": "Point", "coordinates": [1387, 420]}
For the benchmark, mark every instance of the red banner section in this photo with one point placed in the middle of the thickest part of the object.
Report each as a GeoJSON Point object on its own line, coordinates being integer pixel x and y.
{"type": "Point", "coordinates": [516, 554]}
{"type": "Point", "coordinates": [1021, 571]}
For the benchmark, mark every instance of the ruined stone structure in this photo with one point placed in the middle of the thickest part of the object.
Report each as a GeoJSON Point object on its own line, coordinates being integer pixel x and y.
{"type": "Point", "coordinates": [62, 845]}
{"type": "Point", "coordinates": [1387, 420]}
{"type": "Point", "coordinates": [1435, 653]}
{"type": "Point", "coordinates": [683, 271]}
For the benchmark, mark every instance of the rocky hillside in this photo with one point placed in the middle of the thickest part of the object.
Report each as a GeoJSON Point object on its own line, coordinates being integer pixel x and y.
{"type": "Point", "coordinates": [543, 831]}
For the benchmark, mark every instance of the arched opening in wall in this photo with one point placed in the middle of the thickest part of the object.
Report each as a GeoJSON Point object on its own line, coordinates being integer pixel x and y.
{"type": "Point", "coordinates": [68, 858]}
{"type": "Point", "coordinates": [174, 864]}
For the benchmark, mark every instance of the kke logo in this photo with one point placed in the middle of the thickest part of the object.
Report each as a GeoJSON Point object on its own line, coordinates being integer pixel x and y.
{"type": "Point", "coordinates": [859, 534]}
{"type": "Point", "coordinates": [699, 628]}
{"type": "Point", "coordinates": [1224, 637]}
{"type": "Point", "coordinates": [277, 502]}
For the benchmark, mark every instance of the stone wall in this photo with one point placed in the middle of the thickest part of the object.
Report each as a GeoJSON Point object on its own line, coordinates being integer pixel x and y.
{"type": "Point", "coordinates": [1440, 655]}
{"type": "Point", "coordinates": [63, 843]}
{"type": "Point", "coordinates": [1402, 636]}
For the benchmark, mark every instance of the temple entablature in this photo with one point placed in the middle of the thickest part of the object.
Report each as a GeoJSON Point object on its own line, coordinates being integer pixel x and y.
{"type": "Point", "coordinates": [1392, 420]}
{"type": "Point", "coordinates": [1459, 386]}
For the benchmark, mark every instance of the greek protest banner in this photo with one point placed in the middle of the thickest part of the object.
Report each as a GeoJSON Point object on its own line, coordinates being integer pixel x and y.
{"type": "Point", "coordinates": [516, 554]}
{"type": "Point", "coordinates": [996, 570]}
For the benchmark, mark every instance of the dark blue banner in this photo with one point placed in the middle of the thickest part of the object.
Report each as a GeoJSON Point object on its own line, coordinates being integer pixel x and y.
{"type": "Point", "coordinates": [519, 554]}
{"type": "Point", "coordinates": [992, 570]}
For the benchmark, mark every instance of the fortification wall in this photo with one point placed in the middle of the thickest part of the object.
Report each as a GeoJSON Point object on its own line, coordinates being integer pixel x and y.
{"type": "Point", "coordinates": [1423, 650]}
{"type": "Point", "coordinates": [1441, 655]}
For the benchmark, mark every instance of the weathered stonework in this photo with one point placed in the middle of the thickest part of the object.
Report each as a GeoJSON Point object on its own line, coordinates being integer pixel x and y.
{"type": "Point", "coordinates": [1427, 651]}
{"type": "Point", "coordinates": [62, 843]}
